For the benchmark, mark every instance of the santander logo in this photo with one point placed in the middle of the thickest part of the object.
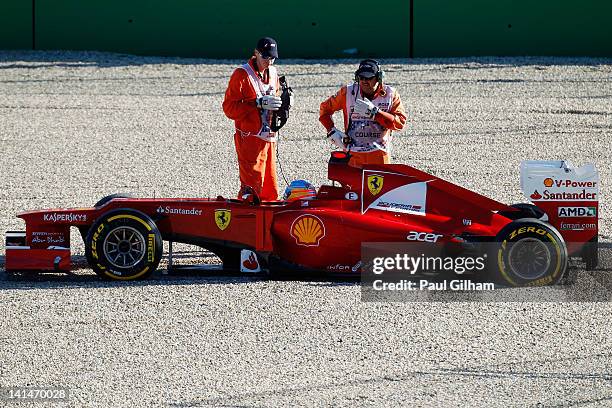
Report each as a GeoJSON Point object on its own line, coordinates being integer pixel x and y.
{"type": "Point", "coordinates": [536, 195]}
{"type": "Point", "coordinates": [250, 262]}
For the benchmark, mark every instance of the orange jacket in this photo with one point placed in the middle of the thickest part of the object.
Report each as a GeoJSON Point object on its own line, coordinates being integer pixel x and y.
{"type": "Point", "coordinates": [239, 102]}
{"type": "Point", "coordinates": [394, 119]}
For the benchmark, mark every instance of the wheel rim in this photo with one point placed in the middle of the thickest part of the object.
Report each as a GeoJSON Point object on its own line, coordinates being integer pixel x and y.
{"type": "Point", "coordinates": [529, 258]}
{"type": "Point", "coordinates": [124, 247]}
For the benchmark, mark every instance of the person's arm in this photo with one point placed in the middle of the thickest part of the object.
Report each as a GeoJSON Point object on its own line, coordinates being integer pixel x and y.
{"type": "Point", "coordinates": [329, 106]}
{"type": "Point", "coordinates": [239, 97]}
{"type": "Point", "coordinates": [395, 118]}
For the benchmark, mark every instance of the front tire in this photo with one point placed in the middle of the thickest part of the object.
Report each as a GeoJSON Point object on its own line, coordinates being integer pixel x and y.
{"type": "Point", "coordinates": [124, 244]}
{"type": "Point", "coordinates": [529, 253]}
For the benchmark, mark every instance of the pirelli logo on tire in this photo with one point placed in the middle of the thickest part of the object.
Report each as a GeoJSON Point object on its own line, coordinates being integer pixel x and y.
{"type": "Point", "coordinates": [94, 241]}
{"type": "Point", "coordinates": [522, 230]}
{"type": "Point", "coordinates": [541, 282]}
{"type": "Point", "coordinates": [124, 244]}
{"type": "Point", "coordinates": [151, 248]}
{"type": "Point", "coordinates": [531, 255]}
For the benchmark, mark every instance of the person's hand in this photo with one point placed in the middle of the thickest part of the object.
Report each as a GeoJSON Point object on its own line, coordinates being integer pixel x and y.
{"type": "Point", "coordinates": [337, 137]}
{"type": "Point", "coordinates": [366, 107]}
{"type": "Point", "coordinates": [269, 102]}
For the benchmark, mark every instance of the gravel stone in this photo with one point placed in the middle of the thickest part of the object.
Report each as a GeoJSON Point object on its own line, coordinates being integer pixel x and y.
{"type": "Point", "coordinates": [76, 126]}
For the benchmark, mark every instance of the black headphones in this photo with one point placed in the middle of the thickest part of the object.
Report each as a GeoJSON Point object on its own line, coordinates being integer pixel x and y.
{"type": "Point", "coordinates": [379, 75]}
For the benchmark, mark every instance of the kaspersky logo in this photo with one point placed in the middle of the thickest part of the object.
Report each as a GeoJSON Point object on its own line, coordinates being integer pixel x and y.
{"type": "Point", "coordinates": [577, 212]}
{"type": "Point", "coordinates": [64, 217]}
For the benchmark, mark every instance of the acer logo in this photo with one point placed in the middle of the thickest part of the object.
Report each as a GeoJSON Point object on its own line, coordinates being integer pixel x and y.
{"type": "Point", "coordinates": [423, 236]}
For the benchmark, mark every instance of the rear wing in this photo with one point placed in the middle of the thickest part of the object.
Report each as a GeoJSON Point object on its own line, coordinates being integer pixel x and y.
{"type": "Point", "coordinates": [568, 195]}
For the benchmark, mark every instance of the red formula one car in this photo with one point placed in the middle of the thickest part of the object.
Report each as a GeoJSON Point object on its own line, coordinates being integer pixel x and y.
{"type": "Point", "coordinates": [377, 203]}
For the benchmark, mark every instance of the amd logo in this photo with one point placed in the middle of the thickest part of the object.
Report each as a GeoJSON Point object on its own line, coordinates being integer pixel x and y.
{"type": "Point", "coordinates": [423, 236]}
{"type": "Point", "coordinates": [577, 211]}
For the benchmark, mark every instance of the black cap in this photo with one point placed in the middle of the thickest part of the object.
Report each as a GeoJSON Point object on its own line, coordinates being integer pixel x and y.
{"type": "Point", "coordinates": [267, 47]}
{"type": "Point", "coordinates": [367, 69]}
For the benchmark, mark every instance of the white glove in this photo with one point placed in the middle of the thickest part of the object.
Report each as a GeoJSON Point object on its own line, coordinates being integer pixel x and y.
{"type": "Point", "coordinates": [269, 102]}
{"type": "Point", "coordinates": [337, 137]}
{"type": "Point", "coordinates": [366, 107]}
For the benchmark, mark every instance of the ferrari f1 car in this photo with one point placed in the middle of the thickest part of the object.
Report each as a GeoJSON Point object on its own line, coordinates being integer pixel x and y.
{"type": "Point", "coordinates": [376, 203]}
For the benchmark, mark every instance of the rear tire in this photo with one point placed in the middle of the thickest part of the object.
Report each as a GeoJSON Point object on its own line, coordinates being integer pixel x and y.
{"type": "Point", "coordinates": [124, 244]}
{"type": "Point", "coordinates": [530, 253]}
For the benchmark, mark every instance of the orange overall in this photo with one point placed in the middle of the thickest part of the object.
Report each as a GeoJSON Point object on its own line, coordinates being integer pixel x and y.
{"type": "Point", "coordinates": [256, 150]}
{"type": "Point", "coordinates": [392, 118]}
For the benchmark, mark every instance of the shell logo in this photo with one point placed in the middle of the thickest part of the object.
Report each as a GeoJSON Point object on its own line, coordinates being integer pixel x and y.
{"type": "Point", "coordinates": [308, 230]}
{"type": "Point", "coordinates": [548, 182]}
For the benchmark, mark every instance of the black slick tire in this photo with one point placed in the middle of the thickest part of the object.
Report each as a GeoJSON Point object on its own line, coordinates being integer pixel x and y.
{"type": "Point", "coordinates": [124, 244]}
{"type": "Point", "coordinates": [529, 252]}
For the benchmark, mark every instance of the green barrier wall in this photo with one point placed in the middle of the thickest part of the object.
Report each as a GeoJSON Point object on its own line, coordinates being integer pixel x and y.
{"type": "Point", "coordinates": [512, 27]}
{"type": "Point", "coordinates": [222, 29]}
{"type": "Point", "coordinates": [16, 24]}
{"type": "Point", "coordinates": [312, 29]}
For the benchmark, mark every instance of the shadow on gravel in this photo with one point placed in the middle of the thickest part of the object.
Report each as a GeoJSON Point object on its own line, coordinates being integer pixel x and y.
{"type": "Point", "coordinates": [582, 285]}
{"type": "Point", "coordinates": [63, 281]}
{"type": "Point", "coordinates": [206, 274]}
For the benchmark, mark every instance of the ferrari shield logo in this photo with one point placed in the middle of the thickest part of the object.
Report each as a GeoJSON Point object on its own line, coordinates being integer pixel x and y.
{"type": "Point", "coordinates": [223, 218]}
{"type": "Point", "coordinates": [375, 184]}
